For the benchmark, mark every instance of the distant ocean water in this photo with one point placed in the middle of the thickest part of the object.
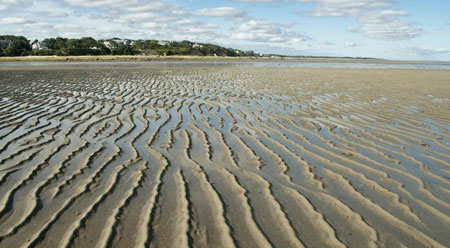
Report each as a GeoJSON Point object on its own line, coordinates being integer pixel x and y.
{"type": "Point", "coordinates": [290, 64]}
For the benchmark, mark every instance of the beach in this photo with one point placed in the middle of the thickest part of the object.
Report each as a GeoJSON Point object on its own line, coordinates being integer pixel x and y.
{"type": "Point", "coordinates": [223, 155]}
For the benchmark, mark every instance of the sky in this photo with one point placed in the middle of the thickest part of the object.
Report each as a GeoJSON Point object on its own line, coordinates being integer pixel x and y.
{"type": "Point", "coordinates": [390, 29]}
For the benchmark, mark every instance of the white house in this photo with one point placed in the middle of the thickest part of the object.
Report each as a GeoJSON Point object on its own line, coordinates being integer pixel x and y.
{"type": "Point", "coordinates": [108, 44]}
{"type": "Point", "coordinates": [39, 46]}
{"type": "Point", "coordinates": [114, 42]}
{"type": "Point", "coordinates": [196, 45]}
{"type": "Point", "coordinates": [163, 42]}
{"type": "Point", "coordinates": [125, 42]}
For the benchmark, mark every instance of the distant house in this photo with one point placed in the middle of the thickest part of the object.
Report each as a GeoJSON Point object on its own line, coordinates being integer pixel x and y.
{"type": "Point", "coordinates": [39, 46]}
{"type": "Point", "coordinates": [125, 42]}
{"type": "Point", "coordinates": [108, 44]}
{"type": "Point", "coordinates": [163, 42]}
{"type": "Point", "coordinates": [114, 42]}
{"type": "Point", "coordinates": [196, 45]}
{"type": "Point", "coordinates": [5, 43]}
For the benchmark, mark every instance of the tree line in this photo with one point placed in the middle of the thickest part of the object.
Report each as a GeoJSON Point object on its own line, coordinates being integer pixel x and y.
{"type": "Point", "coordinates": [21, 46]}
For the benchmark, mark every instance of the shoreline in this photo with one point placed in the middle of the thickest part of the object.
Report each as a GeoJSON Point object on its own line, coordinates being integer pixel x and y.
{"type": "Point", "coordinates": [140, 58]}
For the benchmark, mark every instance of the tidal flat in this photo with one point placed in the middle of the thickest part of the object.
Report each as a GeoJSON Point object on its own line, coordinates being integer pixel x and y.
{"type": "Point", "coordinates": [178, 154]}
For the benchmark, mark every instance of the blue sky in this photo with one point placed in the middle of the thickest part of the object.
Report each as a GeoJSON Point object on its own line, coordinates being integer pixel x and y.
{"type": "Point", "coordinates": [391, 29]}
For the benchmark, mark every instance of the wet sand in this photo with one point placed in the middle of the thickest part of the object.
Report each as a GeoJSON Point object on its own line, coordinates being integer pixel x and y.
{"type": "Point", "coordinates": [224, 156]}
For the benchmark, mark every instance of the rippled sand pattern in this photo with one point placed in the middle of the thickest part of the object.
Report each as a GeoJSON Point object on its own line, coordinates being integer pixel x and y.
{"type": "Point", "coordinates": [224, 156]}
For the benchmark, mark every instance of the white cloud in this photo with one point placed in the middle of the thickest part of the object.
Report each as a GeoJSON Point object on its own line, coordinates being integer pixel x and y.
{"type": "Point", "coordinates": [102, 3]}
{"type": "Point", "coordinates": [187, 21]}
{"type": "Point", "coordinates": [264, 31]}
{"type": "Point", "coordinates": [135, 17]}
{"type": "Point", "coordinates": [149, 7]}
{"type": "Point", "coordinates": [378, 19]}
{"type": "Point", "coordinates": [389, 30]}
{"type": "Point", "coordinates": [158, 7]}
{"type": "Point", "coordinates": [226, 12]}
{"type": "Point", "coordinates": [40, 25]}
{"type": "Point", "coordinates": [12, 20]}
{"type": "Point", "coordinates": [351, 44]}
{"type": "Point", "coordinates": [426, 52]}
{"type": "Point", "coordinates": [250, 29]}
{"type": "Point", "coordinates": [11, 4]}
{"type": "Point", "coordinates": [255, 1]}
{"type": "Point", "coordinates": [54, 13]}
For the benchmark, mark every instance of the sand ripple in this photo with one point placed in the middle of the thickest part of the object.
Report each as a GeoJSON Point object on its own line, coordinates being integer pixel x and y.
{"type": "Point", "coordinates": [221, 156]}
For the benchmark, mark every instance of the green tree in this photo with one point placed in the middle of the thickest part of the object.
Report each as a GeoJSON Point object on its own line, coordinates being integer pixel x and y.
{"type": "Point", "coordinates": [50, 42]}
{"type": "Point", "coordinates": [20, 46]}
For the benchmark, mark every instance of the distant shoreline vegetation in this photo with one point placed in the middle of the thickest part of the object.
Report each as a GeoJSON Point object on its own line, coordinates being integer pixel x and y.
{"type": "Point", "coordinates": [20, 46]}
{"type": "Point", "coordinates": [11, 46]}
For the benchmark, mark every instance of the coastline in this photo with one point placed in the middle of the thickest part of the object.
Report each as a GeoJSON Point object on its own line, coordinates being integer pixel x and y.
{"type": "Point", "coordinates": [125, 58]}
